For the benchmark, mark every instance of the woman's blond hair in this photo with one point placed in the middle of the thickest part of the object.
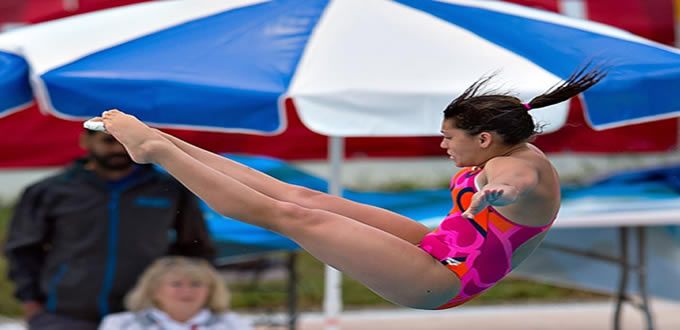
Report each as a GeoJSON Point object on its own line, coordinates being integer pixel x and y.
{"type": "Point", "coordinates": [141, 296]}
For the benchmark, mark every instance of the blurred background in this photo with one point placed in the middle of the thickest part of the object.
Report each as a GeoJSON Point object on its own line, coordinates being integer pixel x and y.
{"type": "Point", "coordinates": [602, 171]}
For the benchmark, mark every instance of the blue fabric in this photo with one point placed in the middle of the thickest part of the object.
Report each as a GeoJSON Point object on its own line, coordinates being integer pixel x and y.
{"type": "Point", "coordinates": [153, 202]}
{"type": "Point", "coordinates": [51, 301]}
{"type": "Point", "coordinates": [559, 49]}
{"type": "Point", "coordinates": [116, 188]}
{"type": "Point", "coordinates": [111, 253]}
{"type": "Point", "coordinates": [658, 182]}
{"type": "Point", "coordinates": [248, 58]}
{"type": "Point", "coordinates": [14, 87]}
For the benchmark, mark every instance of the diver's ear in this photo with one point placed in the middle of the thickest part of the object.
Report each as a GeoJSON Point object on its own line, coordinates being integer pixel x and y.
{"type": "Point", "coordinates": [485, 139]}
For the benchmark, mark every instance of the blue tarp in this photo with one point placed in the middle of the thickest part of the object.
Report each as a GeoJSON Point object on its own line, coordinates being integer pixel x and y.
{"type": "Point", "coordinates": [659, 181]}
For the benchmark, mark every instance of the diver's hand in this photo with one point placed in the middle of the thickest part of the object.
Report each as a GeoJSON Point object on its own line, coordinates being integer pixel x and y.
{"type": "Point", "coordinates": [491, 195]}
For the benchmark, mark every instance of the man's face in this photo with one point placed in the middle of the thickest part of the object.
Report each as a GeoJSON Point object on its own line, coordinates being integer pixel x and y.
{"type": "Point", "coordinates": [106, 152]}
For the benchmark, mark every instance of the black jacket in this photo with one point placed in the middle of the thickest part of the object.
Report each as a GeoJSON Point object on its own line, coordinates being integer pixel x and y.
{"type": "Point", "coordinates": [78, 243]}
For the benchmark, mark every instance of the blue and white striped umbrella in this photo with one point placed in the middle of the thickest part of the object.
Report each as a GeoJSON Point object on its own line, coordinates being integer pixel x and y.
{"type": "Point", "coordinates": [352, 67]}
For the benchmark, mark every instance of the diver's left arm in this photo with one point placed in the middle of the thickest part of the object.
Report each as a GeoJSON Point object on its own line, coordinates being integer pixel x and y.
{"type": "Point", "coordinates": [508, 179]}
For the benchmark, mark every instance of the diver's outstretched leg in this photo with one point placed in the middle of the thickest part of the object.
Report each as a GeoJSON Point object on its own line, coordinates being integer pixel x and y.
{"type": "Point", "coordinates": [390, 266]}
{"type": "Point", "coordinates": [382, 219]}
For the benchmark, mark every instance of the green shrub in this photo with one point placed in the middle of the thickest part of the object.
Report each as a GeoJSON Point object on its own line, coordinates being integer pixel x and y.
{"type": "Point", "coordinates": [8, 305]}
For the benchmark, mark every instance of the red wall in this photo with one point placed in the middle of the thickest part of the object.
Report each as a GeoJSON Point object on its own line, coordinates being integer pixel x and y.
{"type": "Point", "coordinates": [36, 11]}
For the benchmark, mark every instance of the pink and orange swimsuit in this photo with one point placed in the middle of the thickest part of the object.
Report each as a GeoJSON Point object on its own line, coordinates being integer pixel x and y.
{"type": "Point", "coordinates": [480, 251]}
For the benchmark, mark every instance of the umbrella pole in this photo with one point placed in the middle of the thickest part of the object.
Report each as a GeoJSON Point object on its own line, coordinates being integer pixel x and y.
{"type": "Point", "coordinates": [70, 5]}
{"type": "Point", "coordinates": [292, 291]}
{"type": "Point", "coordinates": [676, 5]}
{"type": "Point", "coordinates": [573, 8]}
{"type": "Point", "coordinates": [332, 303]}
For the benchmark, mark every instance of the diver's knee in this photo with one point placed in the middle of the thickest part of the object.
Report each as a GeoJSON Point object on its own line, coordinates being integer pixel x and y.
{"type": "Point", "coordinates": [306, 197]}
{"type": "Point", "coordinates": [293, 215]}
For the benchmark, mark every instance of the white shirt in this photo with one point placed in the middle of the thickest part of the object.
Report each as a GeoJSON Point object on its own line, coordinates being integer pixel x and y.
{"type": "Point", "coordinates": [154, 319]}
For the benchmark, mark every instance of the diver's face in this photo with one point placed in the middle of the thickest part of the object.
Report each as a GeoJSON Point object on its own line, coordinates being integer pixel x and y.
{"type": "Point", "coordinates": [462, 148]}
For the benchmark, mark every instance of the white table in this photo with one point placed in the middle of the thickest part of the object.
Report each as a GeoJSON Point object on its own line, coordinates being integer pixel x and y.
{"type": "Point", "coordinates": [625, 213]}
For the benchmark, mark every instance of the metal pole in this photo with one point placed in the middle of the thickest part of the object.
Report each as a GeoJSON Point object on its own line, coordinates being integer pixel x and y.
{"type": "Point", "coordinates": [625, 268]}
{"type": "Point", "coordinates": [642, 277]}
{"type": "Point", "coordinates": [573, 8]}
{"type": "Point", "coordinates": [332, 304]}
{"type": "Point", "coordinates": [292, 291]}
{"type": "Point", "coordinates": [71, 5]}
{"type": "Point", "coordinates": [676, 4]}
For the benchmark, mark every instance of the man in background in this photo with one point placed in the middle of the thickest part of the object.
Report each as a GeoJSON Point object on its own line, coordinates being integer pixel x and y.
{"type": "Point", "coordinates": [78, 240]}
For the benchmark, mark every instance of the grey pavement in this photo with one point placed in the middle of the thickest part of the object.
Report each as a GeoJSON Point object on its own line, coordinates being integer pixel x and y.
{"type": "Point", "coordinates": [576, 316]}
{"type": "Point", "coordinates": [572, 316]}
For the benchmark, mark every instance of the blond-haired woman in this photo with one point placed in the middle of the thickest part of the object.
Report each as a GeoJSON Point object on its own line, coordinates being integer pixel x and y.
{"type": "Point", "coordinates": [177, 293]}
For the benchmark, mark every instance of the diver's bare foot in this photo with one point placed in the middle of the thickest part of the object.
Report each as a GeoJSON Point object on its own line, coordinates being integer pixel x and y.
{"type": "Point", "coordinates": [139, 140]}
